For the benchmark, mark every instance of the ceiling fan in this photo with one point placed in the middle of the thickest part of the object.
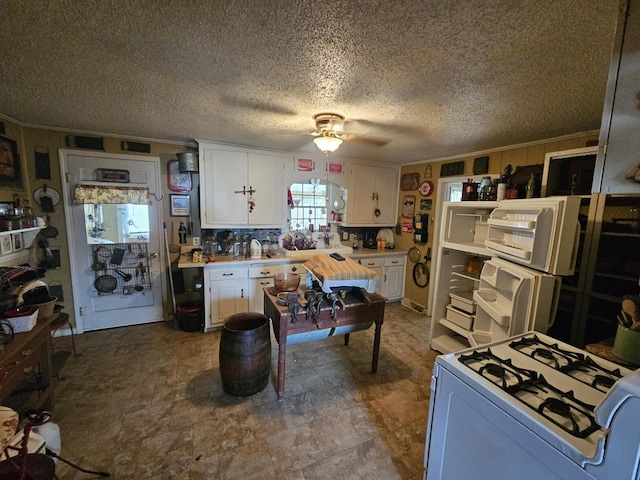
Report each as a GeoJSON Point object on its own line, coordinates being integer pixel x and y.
{"type": "Point", "coordinates": [330, 133]}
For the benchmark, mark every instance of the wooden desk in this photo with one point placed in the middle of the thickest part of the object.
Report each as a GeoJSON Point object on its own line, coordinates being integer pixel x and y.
{"type": "Point", "coordinates": [25, 370]}
{"type": "Point", "coordinates": [359, 311]}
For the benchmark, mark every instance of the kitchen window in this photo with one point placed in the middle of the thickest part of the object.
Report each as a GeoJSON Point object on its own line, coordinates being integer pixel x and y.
{"type": "Point", "coordinates": [310, 205]}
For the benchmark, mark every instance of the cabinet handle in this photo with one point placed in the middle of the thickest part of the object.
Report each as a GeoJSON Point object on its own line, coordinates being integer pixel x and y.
{"type": "Point", "coordinates": [26, 353]}
{"type": "Point", "coordinates": [394, 261]}
{"type": "Point", "coordinates": [370, 264]}
{"type": "Point", "coordinates": [242, 293]}
{"type": "Point", "coordinates": [265, 273]}
{"type": "Point", "coordinates": [264, 283]}
{"type": "Point", "coordinates": [227, 274]}
{"type": "Point", "coordinates": [385, 277]}
{"type": "Point", "coordinates": [28, 370]}
{"type": "Point", "coordinates": [294, 269]}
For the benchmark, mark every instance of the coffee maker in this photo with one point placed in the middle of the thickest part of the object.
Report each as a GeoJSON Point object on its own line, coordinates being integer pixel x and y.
{"type": "Point", "coordinates": [370, 239]}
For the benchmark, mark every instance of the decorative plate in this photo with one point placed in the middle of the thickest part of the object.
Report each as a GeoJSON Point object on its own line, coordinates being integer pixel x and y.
{"type": "Point", "coordinates": [426, 188]}
{"type": "Point", "coordinates": [414, 254]}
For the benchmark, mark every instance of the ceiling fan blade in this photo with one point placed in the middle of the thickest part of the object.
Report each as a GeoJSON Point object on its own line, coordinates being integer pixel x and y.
{"type": "Point", "coordinates": [373, 141]}
{"type": "Point", "coordinates": [258, 105]}
{"type": "Point", "coordinates": [389, 126]}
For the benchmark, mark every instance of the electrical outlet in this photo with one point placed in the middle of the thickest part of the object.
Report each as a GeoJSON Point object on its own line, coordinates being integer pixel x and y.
{"type": "Point", "coordinates": [345, 235]}
{"type": "Point", "coordinates": [351, 237]}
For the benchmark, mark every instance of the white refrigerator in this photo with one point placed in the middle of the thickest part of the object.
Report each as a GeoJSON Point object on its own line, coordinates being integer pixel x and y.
{"type": "Point", "coordinates": [498, 268]}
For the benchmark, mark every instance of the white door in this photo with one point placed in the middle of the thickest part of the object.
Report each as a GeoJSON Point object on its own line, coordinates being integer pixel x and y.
{"type": "Point", "coordinates": [117, 243]}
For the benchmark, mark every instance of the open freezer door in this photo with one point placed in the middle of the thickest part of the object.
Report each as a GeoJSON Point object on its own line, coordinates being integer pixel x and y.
{"type": "Point", "coordinates": [540, 233]}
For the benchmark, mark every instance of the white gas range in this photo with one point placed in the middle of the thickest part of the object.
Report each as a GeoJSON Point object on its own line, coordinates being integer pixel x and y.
{"type": "Point", "coordinates": [531, 407]}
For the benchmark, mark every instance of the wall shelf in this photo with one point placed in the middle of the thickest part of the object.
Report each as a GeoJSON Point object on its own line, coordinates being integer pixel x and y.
{"type": "Point", "coordinates": [28, 234]}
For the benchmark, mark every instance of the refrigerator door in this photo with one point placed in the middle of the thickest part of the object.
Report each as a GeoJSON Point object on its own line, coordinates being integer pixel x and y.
{"type": "Point", "coordinates": [510, 300]}
{"type": "Point", "coordinates": [540, 233]}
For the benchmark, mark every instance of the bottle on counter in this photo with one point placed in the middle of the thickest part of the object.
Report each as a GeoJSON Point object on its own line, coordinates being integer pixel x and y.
{"type": "Point", "coordinates": [531, 190]}
{"type": "Point", "coordinates": [182, 234]}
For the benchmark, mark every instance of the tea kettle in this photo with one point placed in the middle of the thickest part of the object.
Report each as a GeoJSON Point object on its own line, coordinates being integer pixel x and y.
{"type": "Point", "coordinates": [255, 248]}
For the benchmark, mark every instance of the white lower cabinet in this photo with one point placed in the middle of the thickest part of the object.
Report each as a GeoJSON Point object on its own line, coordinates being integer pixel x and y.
{"type": "Point", "coordinates": [260, 277]}
{"type": "Point", "coordinates": [374, 264]}
{"type": "Point", "coordinates": [393, 278]}
{"type": "Point", "coordinates": [228, 293]}
{"type": "Point", "coordinates": [391, 272]}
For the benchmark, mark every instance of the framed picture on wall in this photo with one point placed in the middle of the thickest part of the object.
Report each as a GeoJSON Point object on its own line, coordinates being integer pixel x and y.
{"type": "Point", "coordinates": [10, 172]}
{"type": "Point", "coordinates": [179, 205]}
{"type": "Point", "coordinates": [408, 206]}
{"type": "Point", "coordinates": [16, 239]}
{"type": "Point", "coordinates": [5, 244]}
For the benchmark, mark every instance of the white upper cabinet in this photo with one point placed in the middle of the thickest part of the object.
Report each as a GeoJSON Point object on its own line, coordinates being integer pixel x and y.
{"type": "Point", "coordinates": [241, 188]}
{"type": "Point", "coordinates": [373, 196]}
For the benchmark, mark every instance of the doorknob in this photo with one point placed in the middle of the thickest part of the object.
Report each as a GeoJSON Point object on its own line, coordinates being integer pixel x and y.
{"type": "Point", "coordinates": [154, 255]}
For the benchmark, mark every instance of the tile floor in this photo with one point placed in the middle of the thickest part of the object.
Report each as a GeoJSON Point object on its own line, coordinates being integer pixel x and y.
{"type": "Point", "coordinates": [146, 402]}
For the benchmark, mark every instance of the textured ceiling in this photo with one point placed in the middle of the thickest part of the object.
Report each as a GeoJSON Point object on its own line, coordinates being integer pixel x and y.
{"type": "Point", "coordinates": [435, 77]}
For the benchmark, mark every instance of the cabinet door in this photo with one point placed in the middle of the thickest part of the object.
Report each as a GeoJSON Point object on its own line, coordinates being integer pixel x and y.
{"type": "Point", "coordinates": [266, 177]}
{"type": "Point", "coordinates": [360, 209]}
{"type": "Point", "coordinates": [228, 297]}
{"type": "Point", "coordinates": [256, 301]}
{"type": "Point", "coordinates": [372, 188]}
{"type": "Point", "coordinates": [387, 195]}
{"type": "Point", "coordinates": [393, 278]}
{"type": "Point", "coordinates": [221, 175]}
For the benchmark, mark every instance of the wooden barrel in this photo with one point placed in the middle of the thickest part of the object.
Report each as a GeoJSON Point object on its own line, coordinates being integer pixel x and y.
{"type": "Point", "coordinates": [245, 354]}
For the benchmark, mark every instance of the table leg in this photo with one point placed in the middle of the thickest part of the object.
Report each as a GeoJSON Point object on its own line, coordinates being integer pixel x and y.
{"type": "Point", "coordinates": [282, 354]}
{"type": "Point", "coordinates": [376, 347]}
{"type": "Point", "coordinates": [346, 339]}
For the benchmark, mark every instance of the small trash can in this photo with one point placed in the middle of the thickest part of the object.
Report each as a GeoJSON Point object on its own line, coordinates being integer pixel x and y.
{"type": "Point", "coordinates": [191, 316]}
{"type": "Point", "coordinates": [245, 354]}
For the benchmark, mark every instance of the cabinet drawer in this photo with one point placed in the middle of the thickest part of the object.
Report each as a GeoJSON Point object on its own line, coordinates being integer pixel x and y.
{"type": "Point", "coordinates": [394, 261]}
{"type": "Point", "coordinates": [227, 273]}
{"type": "Point", "coordinates": [371, 262]}
{"type": "Point", "coordinates": [264, 271]}
{"type": "Point", "coordinates": [294, 268]}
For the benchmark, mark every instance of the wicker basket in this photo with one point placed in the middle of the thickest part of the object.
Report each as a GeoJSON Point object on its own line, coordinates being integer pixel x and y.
{"type": "Point", "coordinates": [45, 310]}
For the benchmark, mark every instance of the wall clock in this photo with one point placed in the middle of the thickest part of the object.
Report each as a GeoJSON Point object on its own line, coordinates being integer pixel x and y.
{"type": "Point", "coordinates": [177, 182]}
{"type": "Point", "coordinates": [426, 188]}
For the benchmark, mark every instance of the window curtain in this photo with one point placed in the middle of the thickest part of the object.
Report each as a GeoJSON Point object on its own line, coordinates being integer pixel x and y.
{"type": "Point", "coordinates": [102, 194]}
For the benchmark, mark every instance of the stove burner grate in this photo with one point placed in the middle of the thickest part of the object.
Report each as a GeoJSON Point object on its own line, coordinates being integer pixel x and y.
{"type": "Point", "coordinates": [575, 364]}
{"type": "Point", "coordinates": [556, 405]}
{"type": "Point", "coordinates": [561, 408]}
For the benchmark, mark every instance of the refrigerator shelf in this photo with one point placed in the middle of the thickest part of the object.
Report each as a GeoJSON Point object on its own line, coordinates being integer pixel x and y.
{"type": "Point", "coordinates": [517, 224]}
{"type": "Point", "coordinates": [514, 250]}
{"type": "Point", "coordinates": [463, 332]}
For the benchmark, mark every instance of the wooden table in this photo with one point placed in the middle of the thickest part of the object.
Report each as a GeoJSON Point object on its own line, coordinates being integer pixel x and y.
{"type": "Point", "coordinates": [358, 311]}
{"type": "Point", "coordinates": [26, 374]}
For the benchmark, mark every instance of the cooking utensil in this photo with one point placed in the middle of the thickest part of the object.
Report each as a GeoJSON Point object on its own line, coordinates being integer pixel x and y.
{"type": "Point", "coordinates": [414, 254]}
{"type": "Point", "coordinates": [125, 276]}
{"type": "Point", "coordinates": [106, 283]}
{"type": "Point", "coordinates": [49, 232]}
{"type": "Point", "coordinates": [629, 307]}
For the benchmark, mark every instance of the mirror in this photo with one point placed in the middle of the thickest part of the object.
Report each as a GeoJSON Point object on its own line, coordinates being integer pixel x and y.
{"type": "Point", "coordinates": [126, 223]}
{"type": "Point", "coordinates": [317, 202]}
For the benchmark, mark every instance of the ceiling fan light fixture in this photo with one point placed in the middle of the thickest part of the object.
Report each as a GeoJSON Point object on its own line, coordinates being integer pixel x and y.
{"type": "Point", "coordinates": [327, 143]}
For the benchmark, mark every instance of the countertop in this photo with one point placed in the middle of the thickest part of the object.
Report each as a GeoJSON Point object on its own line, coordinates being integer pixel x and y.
{"type": "Point", "coordinates": [227, 260]}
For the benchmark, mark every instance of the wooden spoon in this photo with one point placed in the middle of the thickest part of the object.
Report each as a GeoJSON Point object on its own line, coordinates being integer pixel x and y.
{"type": "Point", "coordinates": [629, 307]}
